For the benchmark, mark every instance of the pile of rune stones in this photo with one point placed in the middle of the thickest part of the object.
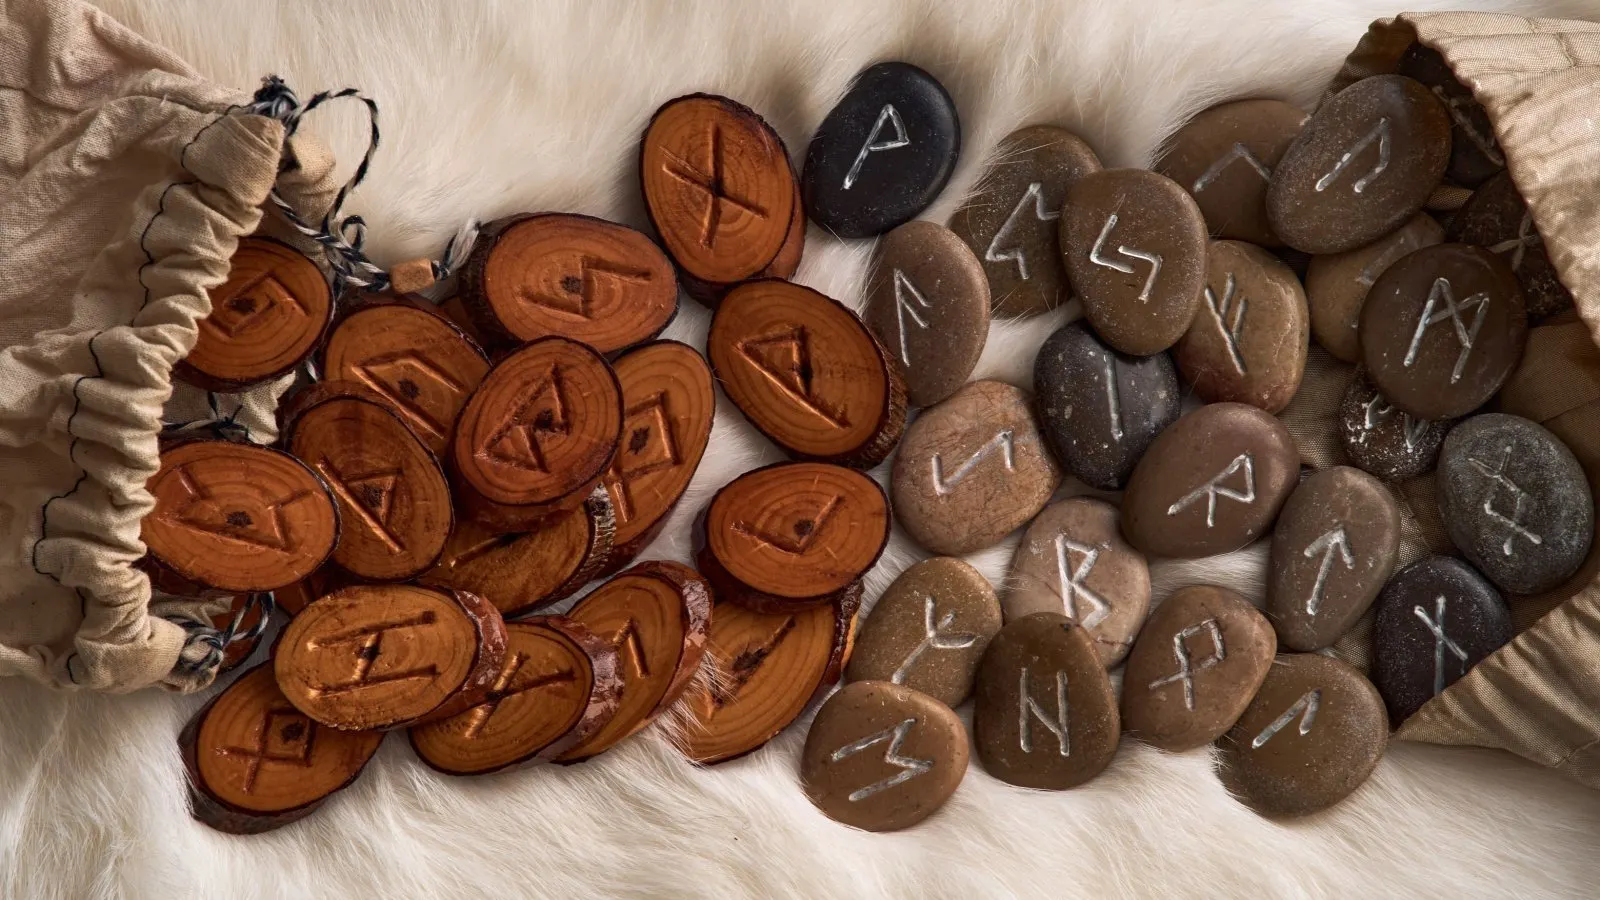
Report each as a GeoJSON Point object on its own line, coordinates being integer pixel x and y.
{"type": "Point", "coordinates": [452, 471]}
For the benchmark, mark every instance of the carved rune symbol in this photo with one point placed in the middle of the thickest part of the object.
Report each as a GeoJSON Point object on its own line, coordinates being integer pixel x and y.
{"type": "Point", "coordinates": [1380, 133]}
{"type": "Point", "coordinates": [1004, 247]}
{"type": "Point", "coordinates": [1378, 410]}
{"type": "Point", "coordinates": [370, 497]}
{"type": "Point", "coordinates": [543, 410]}
{"type": "Point", "coordinates": [577, 291]}
{"type": "Point", "coordinates": [910, 767]}
{"type": "Point", "coordinates": [936, 638]}
{"type": "Point", "coordinates": [1100, 259]}
{"type": "Point", "coordinates": [263, 528]}
{"type": "Point", "coordinates": [1498, 481]}
{"type": "Point", "coordinates": [627, 638]}
{"type": "Point", "coordinates": [784, 357]}
{"type": "Point", "coordinates": [1466, 335]}
{"type": "Point", "coordinates": [285, 736]}
{"type": "Point", "coordinates": [398, 377]}
{"type": "Point", "coordinates": [246, 307]}
{"type": "Point", "coordinates": [1231, 303]}
{"type": "Point", "coordinates": [366, 642]}
{"type": "Point", "coordinates": [482, 548]}
{"type": "Point", "coordinates": [1213, 489]}
{"type": "Point", "coordinates": [1002, 441]}
{"type": "Point", "coordinates": [1307, 705]}
{"type": "Point", "coordinates": [1072, 581]}
{"type": "Point", "coordinates": [888, 115]}
{"type": "Point", "coordinates": [648, 446]}
{"type": "Point", "coordinates": [1029, 708]}
{"type": "Point", "coordinates": [1441, 641]}
{"type": "Point", "coordinates": [1236, 153]}
{"type": "Point", "coordinates": [501, 691]}
{"type": "Point", "coordinates": [1326, 545]}
{"type": "Point", "coordinates": [1187, 668]}
{"type": "Point", "coordinates": [712, 184]}
{"type": "Point", "coordinates": [743, 666]}
{"type": "Point", "coordinates": [902, 308]}
{"type": "Point", "coordinates": [1527, 237]}
{"type": "Point", "coordinates": [793, 539]}
{"type": "Point", "coordinates": [1113, 397]}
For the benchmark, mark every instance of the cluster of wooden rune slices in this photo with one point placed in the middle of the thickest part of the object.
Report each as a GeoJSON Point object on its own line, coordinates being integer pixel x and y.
{"type": "Point", "coordinates": [454, 471]}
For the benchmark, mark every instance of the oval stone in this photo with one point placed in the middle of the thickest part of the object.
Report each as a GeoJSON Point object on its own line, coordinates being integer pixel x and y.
{"type": "Point", "coordinates": [1312, 735]}
{"type": "Point", "coordinates": [1010, 221]}
{"type": "Point", "coordinates": [1383, 441]}
{"type": "Point", "coordinates": [1443, 329]}
{"type": "Point", "coordinates": [1475, 152]}
{"type": "Point", "coordinates": [972, 470]}
{"type": "Point", "coordinates": [1224, 158]}
{"type": "Point", "coordinates": [928, 302]}
{"type": "Point", "coordinates": [1248, 343]}
{"type": "Point", "coordinates": [1134, 244]}
{"type": "Point", "coordinates": [1211, 483]}
{"type": "Point", "coordinates": [1073, 561]}
{"type": "Point", "coordinates": [1516, 502]}
{"type": "Point", "coordinates": [1100, 409]}
{"type": "Point", "coordinates": [1046, 714]}
{"type": "Point", "coordinates": [1337, 284]}
{"type": "Point", "coordinates": [1364, 164]}
{"type": "Point", "coordinates": [1435, 620]}
{"type": "Point", "coordinates": [1195, 667]}
{"type": "Point", "coordinates": [1334, 548]}
{"type": "Point", "coordinates": [882, 756]}
{"type": "Point", "coordinates": [1496, 217]}
{"type": "Point", "coordinates": [883, 153]}
{"type": "Point", "coordinates": [929, 630]}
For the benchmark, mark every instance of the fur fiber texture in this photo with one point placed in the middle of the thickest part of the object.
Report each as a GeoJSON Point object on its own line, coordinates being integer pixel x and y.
{"type": "Point", "coordinates": [493, 108]}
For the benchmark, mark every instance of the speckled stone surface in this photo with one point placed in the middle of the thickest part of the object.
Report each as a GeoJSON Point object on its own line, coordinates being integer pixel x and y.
{"type": "Point", "coordinates": [1224, 158]}
{"type": "Point", "coordinates": [1496, 217]}
{"type": "Point", "coordinates": [1249, 341]}
{"type": "Point", "coordinates": [928, 630]}
{"type": "Point", "coordinates": [1382, 440]}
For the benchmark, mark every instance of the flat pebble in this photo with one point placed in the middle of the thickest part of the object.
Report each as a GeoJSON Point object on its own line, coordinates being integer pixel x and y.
{"type": "Point", "coordinates": [1337, 283]}
{"type": "Point", "coordinates": [1249, 341]}
{"type": "Point", "coordinates": [1224, 158]}
{"type": "Point", "coordinates": [1475, 153]}
{"type": "Point", "coordinates": [1382, 440]}
{"type": "Point", "coordinates": [1496, 217]}
{"type": "Point", "coordinates": [929, 630]}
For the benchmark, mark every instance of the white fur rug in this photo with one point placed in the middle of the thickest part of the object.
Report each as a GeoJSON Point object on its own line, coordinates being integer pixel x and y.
{"type": "Point", "coordinates": [495, 108]}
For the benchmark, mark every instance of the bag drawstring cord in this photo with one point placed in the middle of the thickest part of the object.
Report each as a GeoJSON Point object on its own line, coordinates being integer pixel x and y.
{"type": "Point", "coordinates": [204, 648]}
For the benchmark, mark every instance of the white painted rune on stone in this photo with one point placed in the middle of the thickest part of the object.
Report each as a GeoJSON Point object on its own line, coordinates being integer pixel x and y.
{"type": "Point", "coordinates": [1002, 441]}
{"type": "Point", "coordinates": [1029, 708]}
{"type": "Point", "coordinates": [1100, 259]}
{"type": "Point", "coordinates": [1072, 578]}
{"type": "Point", "coordinates": [910, 767]}
{"type": "Point", "coordinates": [1187, 667]}
{"type": "Point", "coordinates": [1466, 335]}
{"type": "Point", "coordinates": [1000, 248]}
{"type": "Point", "coordinates": [1498, 481]}
{"type": "Point", "coordinates": [1214, 488]}
{"type": "Point", "coordinates": [1306, 707]}
{"type": "Point", "coordinates": [1378, 410]}
{"type": "Point", "coordinates": [1527, 237]}
{"type": "Point", "coordinates": [1441, 641]}
{"type": "Point", "coordinates": [1234, 305]}
{"type": "Point", "coordinates": [1334, 541]}
{"type": "Point", "coordinates": [888, 115]}
{"type": "Point", "coordinates": [1380, 133]}
{"type": "Point", "coordinates": [1113, 397]}
{"type": "Point", "coordinates": [906, 293]}
{"type": "Point", "coordinates": [1236, 153]}
{"type": "Point", "coordinates": [936, 639]}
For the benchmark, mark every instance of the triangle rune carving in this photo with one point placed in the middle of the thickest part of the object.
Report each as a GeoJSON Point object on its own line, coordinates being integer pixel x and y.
{"type": "Point", "coordinates": [263, 527]}
{"type": "Point", "coordinates": [542, 411]}
{"type": "Point", "coordinates": [784, 358]}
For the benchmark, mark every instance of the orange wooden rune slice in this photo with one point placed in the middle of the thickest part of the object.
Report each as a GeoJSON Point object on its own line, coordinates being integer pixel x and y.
{"type": "Point", "coordinates": [655, 616]}
{"type": "Point", "coordinates": [792, 536]}
{"type": "Point", "coordinates": [808, 373]}
{"type": "Point", "coordinates": [265, 319]}
{"type": "Point", "coordinates": [537, 435]}
{"type": "Point", "coordinates": [587, 279]}
{"type": "Point", "coordinates": [374, 657]}
{"type": "Point", "coordinates": [557, 687]}
{"type": "Point", "coordinates": [296, 597]}
{"type": "Point", "coordinates": [523, 573]}
{"type": "Point", "coordinates": [783, 265]}
{"type": "Point", "coordinates": [718, 187]}
{"type": "Point", "coordinates": [670, 404]}
{"type": "Point", "coordinates": [256, 763]}
{"type": "Point", "coordinates": [238, 517]}
{"type": "Point", "coordinates": [394, 501]}
{"type": "Point", "coordinates": [419, 364]}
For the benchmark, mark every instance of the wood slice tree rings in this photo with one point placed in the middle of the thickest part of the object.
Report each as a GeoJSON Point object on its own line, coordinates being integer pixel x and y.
{"type": "Point", "coordinates": [265, 319]}
{"type": "Point", "coordinates": [238, 517]}
{"type": "Point", "coordinates": [256, 763]}
{"type": "Point", "coordinates": [421, 366]}
{"type": "Point", "coordinates": [375, 657]}
{"type": "Point", "coordinates": [670, 404]}
{"type": "Point", "coordinates": [537, 435]}
{"type": "Point", "coordinates": [784, 265]}
{"type": "Point", "coordinates": [531, 276]}
{"type": "Point", "coordinates": [793, 536]}
{"type": "Point", "coordinates": [718, 188]}
{"type": "Point", "coordinates": [557, 687]}
{"type": "Point", "coordinates": [808, 373]}
{"type": "Point", "coordinates": [656, 618]}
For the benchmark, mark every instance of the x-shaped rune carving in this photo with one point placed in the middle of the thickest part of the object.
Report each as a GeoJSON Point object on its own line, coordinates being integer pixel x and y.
{"type": "Point", "coordinates": [712, 184]}
{"type": "Point", "coordinates": [1500, 481]}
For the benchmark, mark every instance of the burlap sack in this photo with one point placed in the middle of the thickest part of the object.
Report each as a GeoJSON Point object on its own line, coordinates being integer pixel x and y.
{"type": "Point", "coordinates": [126, 182]}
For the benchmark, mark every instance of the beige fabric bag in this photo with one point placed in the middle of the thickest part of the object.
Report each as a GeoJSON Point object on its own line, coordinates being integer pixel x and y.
{"type": "Point", "coordinates": [126, 182]}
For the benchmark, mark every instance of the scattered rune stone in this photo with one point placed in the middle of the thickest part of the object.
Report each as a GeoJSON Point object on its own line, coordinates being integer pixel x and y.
{"type": "Point", "coordinates": [1100, 409]}
{"type": "Point", "coordinates": [1195, 667]}
{"type": "Point", "coordinates": [972, 470]}
{"type": "Point", "coordinates": [1516, 502]}
{"type": "Point", "coordinates": [1496, 217]}
{"type": "Point", "coordinates": [882, 756]}
{"type": "Point", "coordinates": [1046, 714]}
{"type": "Point", "coordinates": [1134, 245]}
{"type": "Point", "coordinates": [1363, 165]}
{"type": "Point", "coordinates": [1224, 158]}
{"type": "Point", "coordinates": [1248, 343]}
{"type": "Point", "coordinates": [1382, 440]}
{"type": "Point", "coordinates": [1337, 284]}
{"type": "Point", "coordinates": [1475, 153]}
{"type": "Point", "coordinates": [1010, 221]}
{"type": "Point", "coordinates": [928, 630]}
{"type": "Point", "coordinates": [928, 302]}
{"type": "Point", "coordinates": [1073, 560]}
{"type": "Point", "coordinates": [1443, 329]}
{"type": "Point", "coordinates": [883, 153]}
{"type": "Point", "coordinates": [1211, 483]}
{"type": "Point", "coordinates": [1435, 620]}
{"type": "Point", "coordinates": [1312, 735]}
{"type": "Point", "coordinates": [1334, 548]}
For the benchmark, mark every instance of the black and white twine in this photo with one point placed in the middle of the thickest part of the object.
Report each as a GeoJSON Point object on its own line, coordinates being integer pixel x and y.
{"type": "Point", "coordinates": [205, 646]}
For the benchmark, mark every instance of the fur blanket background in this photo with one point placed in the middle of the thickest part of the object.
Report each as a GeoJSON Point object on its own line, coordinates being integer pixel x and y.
{"type": "Point", "coordinates": [492, 108]}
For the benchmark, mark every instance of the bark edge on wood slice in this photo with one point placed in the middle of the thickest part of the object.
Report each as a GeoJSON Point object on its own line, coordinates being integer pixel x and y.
{"type": "Point", "coordinates": [294, 598]}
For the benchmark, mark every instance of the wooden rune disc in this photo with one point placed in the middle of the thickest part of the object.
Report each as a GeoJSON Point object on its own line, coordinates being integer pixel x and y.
{"type": "Point", "coordinates": [656, 617]}
{"type": "Point", "coordinates": [256, 763]}
{"type": "Point", "coordinates": [792, 535]}
{"type": "Point", "coordinates": [240, 649]}
{"type": "Point", "coordinates": [557, 687]}
{"type": "Point", "coordinates": [537, 435]}
{"type": "Point", "coordinates": [531, 276]}
{"type": "Point", "coordinates": [265, 319]}
{"type": "Point", "coordinates": [238, 517]}
{"type": "Point", "coordinates": [394, 501]}
{"type": "Point", "coordinates": [421, 366]}
{"type": "Point", "coordinates": [669, 404]}
{"type": "Point", "coordinates": [808, 373]}
{"type": "Point", "coordinates": [525, 572]}
{"type": "Point", "coordinates": [784, 265]}
{"type": "Point", "coordinates": [718, 187]}
{"type": "Point", "coordinates": [375, 657]}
